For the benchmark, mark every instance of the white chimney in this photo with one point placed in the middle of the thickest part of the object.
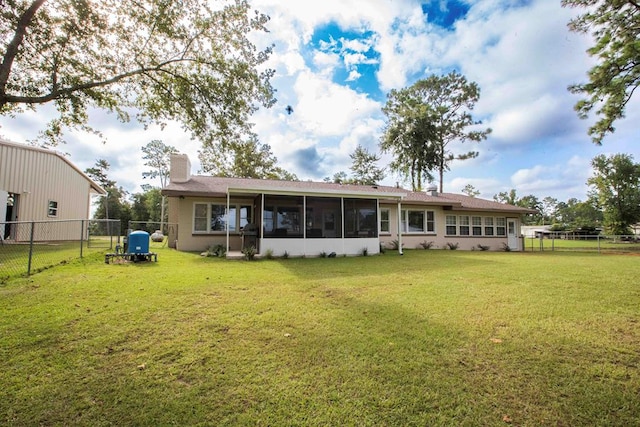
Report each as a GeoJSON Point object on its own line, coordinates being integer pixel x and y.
{"type": "Point", "coordinates": [180, 168]}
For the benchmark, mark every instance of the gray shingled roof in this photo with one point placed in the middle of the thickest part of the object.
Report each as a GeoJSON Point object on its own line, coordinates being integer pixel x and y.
{"type": "Point", "coordinates": [208, 186]}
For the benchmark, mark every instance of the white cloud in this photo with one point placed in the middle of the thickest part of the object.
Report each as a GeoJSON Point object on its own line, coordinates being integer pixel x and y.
{"type": "Point", "coordinates": [327, 109]}
{"type": "Point", "coordinates": [561, 180]}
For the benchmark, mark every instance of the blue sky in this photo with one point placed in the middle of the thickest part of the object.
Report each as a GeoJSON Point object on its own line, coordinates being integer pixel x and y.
{"type": "Point", "coordinates": [336, 60]}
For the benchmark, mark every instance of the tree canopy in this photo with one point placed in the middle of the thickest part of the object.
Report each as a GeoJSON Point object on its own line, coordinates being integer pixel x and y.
{"type": "Point", "coordinates": [424, 119]}
{"type": "Point", "coordinates": [616, 189]}
{"type": "Point", "coordinates": [615, 27]}
{"type": "Point", "coordinates": [470, 190]}
{"type": "Point", "coordinates": [164, 60]}
{"type": "Point", "coordinates": [157, 155]}
{"type": "Point", "coordinates": [364, 169]}
{"type": "Point", "coordinates": [243, 159]}
{"type": "Point", "coordinates": [530, 201]}
{"type": "Point", "coordinates": [114, 204]}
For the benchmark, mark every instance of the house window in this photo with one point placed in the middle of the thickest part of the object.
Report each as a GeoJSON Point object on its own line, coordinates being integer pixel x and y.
{"type": "Point", "coordinates": [431, 222]}
{"type": "Point", "coordinates": [200, 215]}
{"type": "Point", "coordinates": [501, 229]}
{"type": "Point", "coordinates": [450, 222]}
{"type": "Point", "coordinates": [218, 218]}
{"type": "Point", "coordinates": [414, 221]}
{"type": "Point", "coordinates": [476, 222]}
{"type": "Point", "coordinates": [245, 215]}
{"type": "Point", "coordinates": [213, 218]}
{"type": "Point", "coordinates": [464, 225]}
{"type": "Point", "coordinates": [488, 226]}
{"type": "Point", "coordinates": [53, 208]}
{"type": "Point", "coordinates": [384, 221]}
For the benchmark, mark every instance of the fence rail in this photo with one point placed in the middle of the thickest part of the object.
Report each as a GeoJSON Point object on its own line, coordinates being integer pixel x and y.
{"type": "Point", "coordinates": [584, 243]}
{"type": "Point", "coordinates": [30, 246]}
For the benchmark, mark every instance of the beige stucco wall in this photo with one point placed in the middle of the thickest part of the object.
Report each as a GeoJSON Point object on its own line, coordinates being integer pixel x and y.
{"type": "Point", "coordinates": [439, 239]}
{"type": "Point", "coordinates": [186, 239]}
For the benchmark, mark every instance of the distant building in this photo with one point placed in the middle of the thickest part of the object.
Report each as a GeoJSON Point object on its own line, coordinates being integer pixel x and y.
{"type": "Point", "coordinates": [37, 184]}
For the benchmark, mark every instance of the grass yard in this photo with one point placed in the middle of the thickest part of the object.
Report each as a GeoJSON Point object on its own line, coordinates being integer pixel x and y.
{"type": "Point", "coordinates": [14, 257]}
{"type": "Point", "coordinates": [428, 338]}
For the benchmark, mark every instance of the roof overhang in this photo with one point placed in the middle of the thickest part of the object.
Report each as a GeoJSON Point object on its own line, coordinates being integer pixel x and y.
{"type": "Point", "coordinates": [284, 191]}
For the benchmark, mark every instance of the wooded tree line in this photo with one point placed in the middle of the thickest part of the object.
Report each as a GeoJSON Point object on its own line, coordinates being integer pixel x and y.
{"type": "Point", "coordinates": [613, 201]}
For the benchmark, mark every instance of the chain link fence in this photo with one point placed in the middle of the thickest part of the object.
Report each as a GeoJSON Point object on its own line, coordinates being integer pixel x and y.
{"type": "Point", "coordinates": [27, 247]}
{"type": "Point", "coordinates": [583, 243]}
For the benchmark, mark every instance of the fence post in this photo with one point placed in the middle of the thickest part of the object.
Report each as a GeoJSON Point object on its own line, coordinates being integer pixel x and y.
{"type": "Point", "coordinates": [598, 236]}
{"type": "Point", "coordinates": [81, 235]}
{"type": "Point", "coordinates": [33, 226]}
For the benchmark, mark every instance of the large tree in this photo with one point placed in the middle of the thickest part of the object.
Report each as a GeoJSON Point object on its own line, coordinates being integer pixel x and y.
{"type": "Point", "coordinates": [364, 168]}
{"type": "Point", "coordinates": [616, 189]}
{"type": "Point", "coordinates": [423, 122]}
{"type": "Point", "coordinates": [157, 155]}
{"type": "Point", "coordinates": [574, 214]}
{"type": "Point", "coordinates": [164, 60]}
{"type": "Point", "coordinates": [243, 158]}
{"type": "Point", "coordinates": [615, 27]}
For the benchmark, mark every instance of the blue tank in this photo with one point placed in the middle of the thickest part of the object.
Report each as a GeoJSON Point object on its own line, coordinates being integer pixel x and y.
{"type": "Point", "coordinates": [138, 242]}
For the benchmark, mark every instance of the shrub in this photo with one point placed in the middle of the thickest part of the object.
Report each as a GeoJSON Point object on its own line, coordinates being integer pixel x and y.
{"type": "Point", "coordinates": [268, 254]}
{"type": "Point", "coordinates": [364, 251]}
{"type": "Point", "coordinates": [249, 252]}
{"type": "Point", "coordinates": [426, 245]}
{"type": "Point", "coordinates": [323, 254]}
{"type": "Point", "coordinates": [506, 247]}
{"type": "Point", "coordinates": [285, 255]}
{"type": "Point", "coordinates": [217, 250]}
{"type": "Point", "coordinates": [453, 246]}
{"type": "Point", "coordinates": [483, 247]}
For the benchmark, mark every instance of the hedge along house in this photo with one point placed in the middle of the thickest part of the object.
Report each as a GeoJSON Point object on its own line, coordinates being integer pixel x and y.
{"type": "Point", "coordinates": [303, 218]}
{"type": "Point", "coordinates": [38, 184]}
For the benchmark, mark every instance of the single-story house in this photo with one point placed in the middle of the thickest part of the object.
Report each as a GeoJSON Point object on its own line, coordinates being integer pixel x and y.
{"type": "Point", "coordinates": [37, 184]}
{"type": "Point", "coordinates": [304, 218]}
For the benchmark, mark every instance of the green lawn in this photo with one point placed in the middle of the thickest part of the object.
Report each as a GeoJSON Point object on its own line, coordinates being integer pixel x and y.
{"type": "Point", "coordinates": [429, 338]}
{"type": "Point", "coordinates": [14, 257]}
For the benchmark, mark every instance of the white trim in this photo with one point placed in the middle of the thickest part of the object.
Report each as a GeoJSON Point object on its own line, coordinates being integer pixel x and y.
{"type": "Point", "coordinates": [399, 227]}
{"type": "Point", "coordinates": [227, 215]}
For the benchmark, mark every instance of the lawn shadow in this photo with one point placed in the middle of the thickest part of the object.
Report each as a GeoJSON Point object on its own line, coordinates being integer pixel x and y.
{"type": "Point", "coordinates": [412, 262]}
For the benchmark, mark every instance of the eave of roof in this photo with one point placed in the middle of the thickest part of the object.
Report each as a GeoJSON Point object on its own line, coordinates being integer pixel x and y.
{"type": "Point", "coordinates": [92, 184]}
{"type": "Point", "coordinates": [220, 187]}
{"type": "Point", "coordinates": [207, 186]}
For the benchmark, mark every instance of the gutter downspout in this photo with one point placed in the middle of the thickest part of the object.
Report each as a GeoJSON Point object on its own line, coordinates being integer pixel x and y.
{"type": "Point", "coordinates": [227, 225]}
{"type": "Point", "coordinates": [400, 227]}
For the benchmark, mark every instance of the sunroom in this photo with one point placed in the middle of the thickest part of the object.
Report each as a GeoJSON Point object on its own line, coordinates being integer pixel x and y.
{"type": "Point", "coordinates": [308, 223]}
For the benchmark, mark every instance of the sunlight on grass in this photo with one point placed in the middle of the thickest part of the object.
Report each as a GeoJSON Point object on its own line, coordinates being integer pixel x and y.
{"type": "Point", "coordinates": [428, 338]}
